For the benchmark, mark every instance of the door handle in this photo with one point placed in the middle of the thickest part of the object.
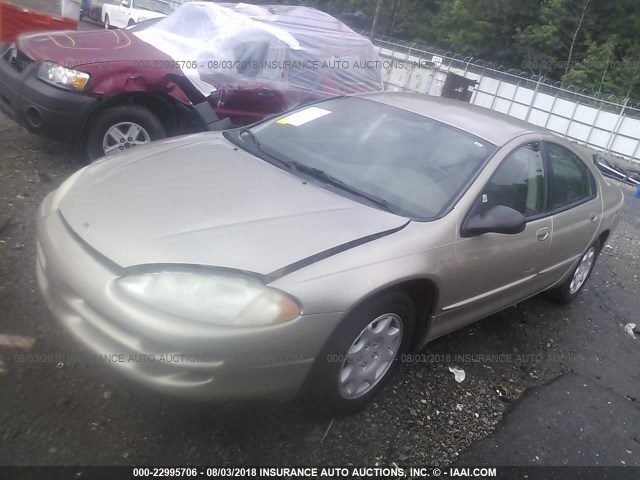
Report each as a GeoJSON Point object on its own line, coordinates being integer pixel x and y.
{"type": "Point", "coordinates": [542, 234]}
{"type": "Point", "coordinates": [266, 94]}
{"type": "Point", "coordinates": [593, 217]}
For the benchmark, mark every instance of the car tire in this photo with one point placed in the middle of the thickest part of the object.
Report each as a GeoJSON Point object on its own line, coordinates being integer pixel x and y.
{"type": "Point", "coordinates": [572, 286]}
{"type": "Point", "coordinates": [107, 23]}
{"type": "Point", "coordinates": [323, 393]}
{"type": "Point", "coordinates": [120, 117]}
{"type": "Point", "coordinates": [131, 23]}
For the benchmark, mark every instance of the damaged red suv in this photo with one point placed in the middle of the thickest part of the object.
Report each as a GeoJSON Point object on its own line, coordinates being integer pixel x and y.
{"type": "Point", "coordinates": [204, 67]}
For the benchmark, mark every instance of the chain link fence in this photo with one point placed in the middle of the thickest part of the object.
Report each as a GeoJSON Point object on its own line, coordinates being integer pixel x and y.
{"type": "Point", "coordinates": [603, 122]}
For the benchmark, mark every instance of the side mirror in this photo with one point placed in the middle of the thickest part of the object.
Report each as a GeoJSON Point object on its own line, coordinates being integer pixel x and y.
{"type": "Point", "coordinates": [498, 219]}
{"type": "Point", "coordinates": [125, 3]}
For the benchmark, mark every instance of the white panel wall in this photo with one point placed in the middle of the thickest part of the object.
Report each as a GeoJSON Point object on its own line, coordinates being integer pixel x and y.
{"type": "Point", "coordinates": [630, 127]}
{"type": "Point", "coordinates": [544, 101]}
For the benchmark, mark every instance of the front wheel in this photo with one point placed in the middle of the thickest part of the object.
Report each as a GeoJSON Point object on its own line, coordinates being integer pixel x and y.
{"type": "Point", "coordinates": [570, 288]}
{"type": "Point", "coordinates": [107, 23]}
{"type": "Point", "coordinates": [360, 356]}
{"type": "Point", "coordinates": [118, 129]}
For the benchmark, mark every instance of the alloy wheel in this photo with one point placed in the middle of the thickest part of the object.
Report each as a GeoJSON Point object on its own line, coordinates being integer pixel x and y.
{"type": "Point", "coordinates": [123, 136]}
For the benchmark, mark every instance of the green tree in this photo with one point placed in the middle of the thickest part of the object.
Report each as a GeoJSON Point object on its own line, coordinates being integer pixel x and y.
{"type": "Point", "coordinates": [598, 69]}
{"type": "Point", "coordinates": [413, 20]}
{"type": "Point", "coordinates": [484, 28]}
{"type": "Point", "coordinates": [554, 43]}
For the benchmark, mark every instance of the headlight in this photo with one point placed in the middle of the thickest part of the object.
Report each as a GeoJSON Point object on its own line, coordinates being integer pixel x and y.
{"type": "Point", "coordinates": [218, 298]}
{"type": "Point", "coordinates": [62, 76]}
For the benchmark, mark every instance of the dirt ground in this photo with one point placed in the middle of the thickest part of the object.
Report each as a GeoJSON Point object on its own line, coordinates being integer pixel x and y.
{"type": "Point", "coordinates": [83, 414]}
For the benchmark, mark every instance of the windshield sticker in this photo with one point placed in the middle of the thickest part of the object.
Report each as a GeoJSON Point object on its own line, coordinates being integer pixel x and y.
{"type": "Point", "coordinates": [303, 116]}
{"type": "Point", "coordinates": [478, 144]}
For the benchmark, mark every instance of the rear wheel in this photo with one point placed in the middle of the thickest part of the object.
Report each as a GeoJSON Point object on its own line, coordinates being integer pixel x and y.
{"type": "Point", "coordinates": [360, 356]}
{"type": "Point", "coordinates": [118, 129]}
{"type": "Point", "coordinates": [570, 288]}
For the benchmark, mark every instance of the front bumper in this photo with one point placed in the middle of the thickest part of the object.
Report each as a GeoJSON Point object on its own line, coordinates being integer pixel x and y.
{"type": "Point", "coordinates": [217, 363]}
{"type": "Point", "coordinates": [39, 107]}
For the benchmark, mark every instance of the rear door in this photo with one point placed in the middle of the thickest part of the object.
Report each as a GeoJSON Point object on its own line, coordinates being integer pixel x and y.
{"type": "Point", "coordinates": [574, 204]}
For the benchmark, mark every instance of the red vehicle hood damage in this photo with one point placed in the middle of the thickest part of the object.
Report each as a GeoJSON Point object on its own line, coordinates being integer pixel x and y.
{"type": "Point", "coordinates": [116, 60]}
{"type": "Point", "coordinates": [87, 47]}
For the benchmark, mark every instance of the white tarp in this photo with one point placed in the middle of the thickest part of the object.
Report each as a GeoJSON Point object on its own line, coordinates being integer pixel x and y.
{"type": "Point", "coordinates": [222, 45]}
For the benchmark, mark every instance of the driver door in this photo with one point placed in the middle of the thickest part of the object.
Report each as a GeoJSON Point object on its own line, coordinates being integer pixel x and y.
{"type": "Point", "coordinates": [493, 271]}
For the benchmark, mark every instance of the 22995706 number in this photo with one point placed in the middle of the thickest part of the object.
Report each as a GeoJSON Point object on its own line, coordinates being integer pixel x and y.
{"type": "Point", "coordinates": [165, 472]}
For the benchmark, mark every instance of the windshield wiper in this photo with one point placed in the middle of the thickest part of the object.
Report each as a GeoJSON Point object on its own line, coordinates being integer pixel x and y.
{"type": "Point", "coordinates": [331, 180]}
{"type": "Point", "coordinates": [251, 135]}
{"type": "Point", "coordinates": [318, 174]}
{"type": "Point", "coordinates": [286, 164]}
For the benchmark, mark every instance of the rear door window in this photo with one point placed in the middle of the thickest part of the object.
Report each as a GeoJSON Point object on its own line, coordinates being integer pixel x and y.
{"type": "Point", "coordinates": [570, 180]}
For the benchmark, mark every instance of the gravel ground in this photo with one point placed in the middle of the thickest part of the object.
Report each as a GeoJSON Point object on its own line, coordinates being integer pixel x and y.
{"type": "Point", "coordinates": [82, 413]}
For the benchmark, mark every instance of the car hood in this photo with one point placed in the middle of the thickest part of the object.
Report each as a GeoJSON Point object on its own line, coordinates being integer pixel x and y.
{"type": "Point", "coordinates": [200, 200]}
{"type": "Point", "coordinates": [75, 48]}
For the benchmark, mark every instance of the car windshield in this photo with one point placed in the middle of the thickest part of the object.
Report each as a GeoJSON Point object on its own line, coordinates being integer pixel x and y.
{"type": "Point", "coordinates": [152, 5]}
{"type": "Point", "coordinates": [410, 164]}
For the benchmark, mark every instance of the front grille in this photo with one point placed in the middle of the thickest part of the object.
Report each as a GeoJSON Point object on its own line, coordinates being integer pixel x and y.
{"type": "Point", "coordinates": [17, 59]}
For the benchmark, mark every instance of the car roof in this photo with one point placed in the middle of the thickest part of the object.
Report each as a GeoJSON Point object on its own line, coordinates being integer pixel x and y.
{"type": "Point", "coordinates": [495, 127]}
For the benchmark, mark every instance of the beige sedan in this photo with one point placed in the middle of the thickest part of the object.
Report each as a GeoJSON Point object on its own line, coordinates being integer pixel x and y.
{"type": "Point", "coordinates": [308, 253]}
